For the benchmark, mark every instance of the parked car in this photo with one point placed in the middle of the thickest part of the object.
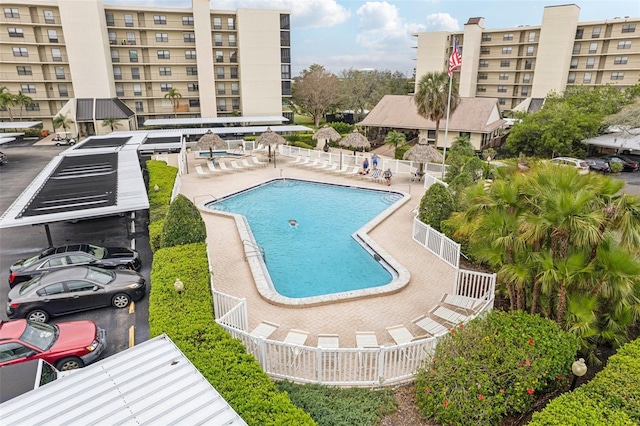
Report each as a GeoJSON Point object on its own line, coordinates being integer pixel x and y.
{"type": "Point", "coordinates": [580, 165]}
{"type": "Point", "coordinates": [598, 165]}
{"type": "Point", "coordinates": [74, 254]}
{"type": "Point", "coordinates": [3, 158]}
{"type": "Point", "coordinates": [74, 289]}
{"type": "Point", "coordinates": [66, 345]}
{"type": "Point", "coordinates": [26, 376]}
{"type": "Point", "coordinates": [628, 165]}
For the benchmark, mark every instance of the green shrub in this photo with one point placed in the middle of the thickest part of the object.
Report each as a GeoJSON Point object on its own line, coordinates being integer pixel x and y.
{"type": "Point", "coordinates": [188, 319]}
{"type": "Point", "coordinates": [612, 397]}
{"type": "Point", "coordinates": [616, 167]}
{"type": "Point", "coordinates": [303, 145]}
{"type": "Point", "coordinates": [155, 234]}
{"type": "Point", "coordinates": [250, 138]}
{"type": "Point", "coordinates": [183, 224]}
{"type": "Point", "coordinates": [492, 367]}
{"type": "Point", "coordinates": [436, 205]}
{"type": "Point", "coordinates": [400, 151]}
{"type": "Point", "coordinates": [330, 405]}
{"type": "Point", "coordinates": [162, 176]}
{"type": "Point", "coordinates": [342, 128]}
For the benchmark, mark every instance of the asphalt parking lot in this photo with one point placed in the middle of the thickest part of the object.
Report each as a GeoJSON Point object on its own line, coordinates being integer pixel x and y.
{"type": "Point", "coordinates": [25, 161]}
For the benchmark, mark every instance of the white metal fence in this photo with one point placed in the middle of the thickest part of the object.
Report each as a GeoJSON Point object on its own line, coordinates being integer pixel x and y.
{"type": "Point", "coordinates": [437, 243]}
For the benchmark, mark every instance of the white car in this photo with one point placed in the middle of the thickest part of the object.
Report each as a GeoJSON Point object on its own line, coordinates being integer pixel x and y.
{"type": "Point", "coordinates": [580, 165]}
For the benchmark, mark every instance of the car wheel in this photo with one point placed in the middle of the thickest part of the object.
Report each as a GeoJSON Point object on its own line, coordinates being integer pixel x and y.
{"type": "Point", "coordinates": [57, 143]}
{"type": "Point", "coordinates": [38, 315]}
{"type": "Point", "coordinates": [72, 143]}
{"type": "Point", "coordinates": [120, 301]}
{"type": "Point", "coordinates": [122, 267]}
{"type": "Point", "coordinates": [70, 363]}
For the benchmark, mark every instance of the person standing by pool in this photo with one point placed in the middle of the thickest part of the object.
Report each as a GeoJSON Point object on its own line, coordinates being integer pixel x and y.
{"type": "Point", "coordinates": [365, 166]}
{"type": "Point", "coordinates": [374, 160]}
{"type": "Point", "coordinates": [387, 176]}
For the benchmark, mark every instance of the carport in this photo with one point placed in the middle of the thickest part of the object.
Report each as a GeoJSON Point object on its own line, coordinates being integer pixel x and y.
{"type": "Point", "coordinates": [15, 125]}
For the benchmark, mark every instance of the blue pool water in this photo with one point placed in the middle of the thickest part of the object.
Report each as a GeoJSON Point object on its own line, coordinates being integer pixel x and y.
{"type": "Point", "coordinates": [319, 256]}
{"type": "Point", "coordinates": [207, 154]}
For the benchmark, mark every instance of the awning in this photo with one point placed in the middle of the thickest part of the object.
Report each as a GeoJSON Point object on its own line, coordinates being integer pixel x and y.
{"type": "Point", "coordinates": [18, 124]}
{"type": "Point", "coordinates": [214, 120]}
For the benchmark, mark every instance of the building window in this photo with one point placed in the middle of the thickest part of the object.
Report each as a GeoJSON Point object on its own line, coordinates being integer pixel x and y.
{"type": "Point", "coordinates": [504, 76]}
{"type": "Point", "coordinates": [135, 73]}
{"type": "Point", "coordinates": [139, 106]}
{"type": "Point", "coordinates": [234, 89]}
{"type": "Point", "coordinates": [485, 51]}
{"type": "Point", "coordinates": [571, 78]}
{"type": "Point", "coordinates": [528, 64]}
{"type": "Point", "coordinates": [192, 71]}
{"type": "Point", "coordinates": [165, 70]}
{"type": "Point", "coordinates": [486, 37]}
{"type": "Point", "coordinates": [128, 20]}
{"type": "Point", "coordinates": [484, 64]}
{"type": "Point", "coordinates": [502, 89]}
{"type": "Point", "coordinates": [591, 63]}
{"type": "Point", "coordinates": [165, 87]}
{"type": "Point", "coordinates": [235, 104]}
{"type": "Point", "coordinates": [505, 63]}
{"type": "Point", "coordinates": [217, 23]}
{"type": "Point", "coordinates": [217, 39]}
{"type": "Point", "coordinates": [506, 50]}
{"type": "Point", "coordinates": [483, 76]}
{"type": "Point", "coordinates": [286, 88]}
{"type": "Point", "coordinates": [162, 37]}
{"type": "Point", "coordinates": [626, 28]}
{"type": "Point", "coordinates": [579, 33]}
{"type": "Point", "coordinates": [221, 89]}
{"type": "Point", "coordinates": [524, 91]}
{"type": "Point", "coordinates": [219, 72]}
{"type": "Point", "coordinates": [285, 38]}
{"type": "Point", "coordinates": [160, 19]}
{"type": "Point", "coordinates": [133, 56]}
{"type": "Point", "coordinates": [285, 55]}
{"type": "Point", "coordinates": [233, 56]}
{"type": "Point", "coordinates": [20, 51]}
{"type": "Point", "coordinates": [117, 73]}
{"type": "Point", "coordinates": [119, 90]}
{"type": "Point", "coordinates": [530, 50]}
{"type": "Point", "coordinates": [28, 88]}
{"type": "Point", "coordinates": [59, 73]}
{"type": "Point", "coordinates": [188, 37]}
{"type": "Point", "coordinates": [219, 56]}
{"type": "Point", "coordinates": [574, 63]}
{"type": "Point", "coordinates": [532, 37]}
{"type": "Point", "coordinates": [190, 54]}
{"type": "Point", "coordinates": [137, 90]}
{"type": "Point", "coordinates": [576, 48]}
{"type": "Point", "coordinates": [222, 104]}
{"type": "Point", "coordinates": [187, 20]}
{"type": "Point", "coordinates": [526, 77]}
{"type": "Point", "coordinates": [63, 90]}
{"type": "Point", "coordinates": [595, 32]}
{"type": "Point", "coordinates": [284, 22]}
{"type": "Point", "coordinates": [481, 89]}
{"type": "Point", "coordinates": [115, 56]}
{"type": "Point", "coordinates": [16, 32]}
{"type": "Point", "coordinates": [587, 78]}
{"type": "Point", "coordinates": [33, 106]}
{"type": "Point", "coordinates": [24, 70]}
{"type": "Point", "coordinates": [56, 55]}
{"type": "Point", "coordinates": [593, 48]}
{"type": "Point", "coordinates": [163, 54]}
{"type": "Point", "coordinates": [232, 40]}
{"type": "Point", "coordinates": [231, 24]}
{"type": "Point", "coordinates": [110, 20]}
{"type": "Point", "coordinates": [501, 101]}
{"type": "Point", "coordinates": [624, 44]}
{"type": "Point", "coordinates": [234, 72]}
{"type": "Point", "coordinates": [48, 17]}
{"type": "Point", "coordinates": [620, 60]}
{"type": "Point", "coordinates": [192, 87]}
{"type": "Point", "coordinates": [507, 37]}
{"type": "Point", "coordinates": [53, 36]}
{"type": "Point", "coordinates": [617, 76]}
{"type": "Point", "coordinates": [285, 71]}
{"type": "Point", "coordinates": [113, 38]}
{"type": "Point", "coordinates": [10, 12]}
{"type": "Point", "coordinates": [194, 103]}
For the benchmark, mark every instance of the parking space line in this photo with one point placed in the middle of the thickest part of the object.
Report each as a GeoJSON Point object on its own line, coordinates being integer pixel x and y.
{"type": "Point", "coordinates": [132, 307]}
{"type": "Point", "coordinates": [132, 336]}
{"type": "Point", "coordinates": [133, 230]}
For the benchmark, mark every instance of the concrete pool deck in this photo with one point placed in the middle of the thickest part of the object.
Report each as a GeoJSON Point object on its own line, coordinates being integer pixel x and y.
{"type": "Point", "coordinates": [430, 277]}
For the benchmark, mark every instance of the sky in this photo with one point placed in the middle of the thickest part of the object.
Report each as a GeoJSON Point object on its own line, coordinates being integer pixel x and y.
{"type": "Point", "coordinates": [355, 34]}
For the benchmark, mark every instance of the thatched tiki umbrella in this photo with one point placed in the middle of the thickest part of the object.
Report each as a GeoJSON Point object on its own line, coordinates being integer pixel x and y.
{"type": "Point", "coordinates": [210, 141]}
{"type": "Point", "coordinates": [270, 138]}
{"type": "Point", "coordinates": [423, 153]}
{"type": "Point", "coordinates": [326, 133]}
{"type": "Point", "coordinates": [354, 140]}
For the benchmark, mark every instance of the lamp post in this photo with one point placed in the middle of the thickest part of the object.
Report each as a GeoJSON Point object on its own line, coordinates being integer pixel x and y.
{"type": "Point", "coordinates": [579, 369]}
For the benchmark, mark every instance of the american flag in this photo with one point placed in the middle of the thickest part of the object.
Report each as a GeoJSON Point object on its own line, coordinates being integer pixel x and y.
{"type": "Point", "coordinates": [455, 60]}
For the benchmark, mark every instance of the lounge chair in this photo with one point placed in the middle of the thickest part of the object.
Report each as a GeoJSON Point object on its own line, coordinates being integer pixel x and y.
{"type": "Point", "coordinates": [235, 166]}
{"type": "Point", "coordinates": [246, 165]}
{"type": "Point", "coordinates": [200, 171]}
{"type": "Point", "coordinates": [353, 172]}
{"type": "Point", "coordinates": [343, 169]}
{"type": "Point", "coordinates": [430, 325]}
{"type": "Point", "coordinates": [224, 167]}
{"type": "Point", "coordinates": [312, 164]}
{"type": "Point", "coordinates": [297, 338]}
{"type": "Point", "coordinates": [332, 168]}
{"type": "Point", "coordinates": [463, 302]}
{"type": "Point", "coordinates": [375, 176]}
{"type": "Point", "coordinates": [446, 314]}
{"type": "Point", "coordinates": [366, 339]}
{"type": "Point", "coordinates": [213, 168]}
{"type": "Point", "coordinates": [328, 341]}
{"type": "Point", "coordinates": [400, 334]}
{"type": "Point", "coordinates": [258, 162]}
{"type": "Point", "coordinates": [323, 165]}
{"type": "Point", "coordinates": [304, 162]}
{"type": "Point", "coordinates": [264, 329]}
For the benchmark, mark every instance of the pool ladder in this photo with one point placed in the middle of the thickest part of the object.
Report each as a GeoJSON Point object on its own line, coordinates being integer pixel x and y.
{"type": "Point", "coordinates": [257, 249]}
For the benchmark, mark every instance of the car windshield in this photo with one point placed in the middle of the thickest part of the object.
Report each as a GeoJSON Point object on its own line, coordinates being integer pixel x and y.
{"type": "Point", "coordinates": [40, 335]}
{"type": "Point", "coordinates": [30, 260]}
{"type": "Point", "coordinates": [32, 283]}
{"type": "Point", "coordinates": [98, 275]}
{"type": "Point", "coordinates": [97, 251]}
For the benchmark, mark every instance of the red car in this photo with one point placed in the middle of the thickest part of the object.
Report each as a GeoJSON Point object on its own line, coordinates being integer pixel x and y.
{"type": "Point", "coordinates": [66, 345]}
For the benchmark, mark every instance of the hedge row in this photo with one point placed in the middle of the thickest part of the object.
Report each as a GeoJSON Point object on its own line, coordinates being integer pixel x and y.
{"type": "Point", "coordinates": [183, 224]}
{"type": "Point", "coordinates": [163, 177]}
{"type": "Point", "coordinates": [612, 397]}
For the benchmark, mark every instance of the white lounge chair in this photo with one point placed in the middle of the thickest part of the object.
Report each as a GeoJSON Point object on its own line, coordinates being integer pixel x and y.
{"type": "Point", "coordinates": [366, 339]}
{"type": "Point", "coordinates": [430, 325]}
{"type": "Point", "coordinates": [258, 162]}
{"type": "Point", "coordinates": [304, 162]}
{"type": "Point", "coordinates": [353, 172]}
{"type": "Point", "coordinates": [375, 175]}
{"type": "Point", "coordinates": [323, 165]}
{"type": "Point", "coordinates": [332, 168]}
{"type": "Point", "coordinates": [235, 166]}
{"type": "Point", "coordinates": [246, 165]}
{"type": "Point", "coordinates": [200, 171]}
{"type": "Point", "coordinates": [448, 315]}
{"type": "Point", "coordinates": [313, 163]}
{"type": "Point", "coordinates": [328, 341]}
{"type": "Point", "coordinates": [463, 302]}
{"type": "Point", "coordinates": [400, 334]}
{"type": "Point", "coordinates": [297, 160]}
{"type": "Point", "coordinates": [343, 169]}
{"type": "Point", "coordinates": [213, 168]}
{"type": "Point", "coordinates": [224, 167]}
{"type": "Point", "coordinates": [264, 329]}
{"type": "Point", "coordinates": [297, 338]}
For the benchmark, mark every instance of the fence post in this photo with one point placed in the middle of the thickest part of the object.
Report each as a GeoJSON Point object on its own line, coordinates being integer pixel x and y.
{"type": "Point", "coordinates": [381, 370]}
{"type": "Point", "coordinates": [319, 364]}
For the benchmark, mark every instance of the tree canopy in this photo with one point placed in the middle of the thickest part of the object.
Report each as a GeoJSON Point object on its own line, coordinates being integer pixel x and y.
{"type": "Point", "coordinates": [432, 97]}
{"type": "Point", "coordinates": [315, 92]}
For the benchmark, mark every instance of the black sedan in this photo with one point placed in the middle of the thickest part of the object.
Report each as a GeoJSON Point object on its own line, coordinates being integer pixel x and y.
{"type": "Point", "coordinates": [74, 289]}
{"type": "Point", "coordinates": [598, 165]}
{"type": "Point", "coordinates": [628, 165]}
{"type": "Point", "coordinates": [75, 254]}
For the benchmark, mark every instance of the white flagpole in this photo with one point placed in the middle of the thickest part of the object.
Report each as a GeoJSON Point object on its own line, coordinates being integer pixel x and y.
{"type": "Point", "coordinates": [446, 126]}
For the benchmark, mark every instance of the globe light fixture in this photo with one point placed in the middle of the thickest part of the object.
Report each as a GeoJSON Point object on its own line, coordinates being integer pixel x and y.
{"type": "Point", "coordinates": [579, 369]}
{"type": "Point", "coordinates": [178, 286]}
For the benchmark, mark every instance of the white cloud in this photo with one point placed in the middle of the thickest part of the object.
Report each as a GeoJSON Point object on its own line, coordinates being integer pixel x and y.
{"type": "Point", "coordinates": [381, 27]}
{"type": "Point", "coordinates": [442, 22]}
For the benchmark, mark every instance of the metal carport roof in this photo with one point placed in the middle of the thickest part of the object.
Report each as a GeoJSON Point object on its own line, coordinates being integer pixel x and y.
{"type": "Point", "coordinates": [214, 120]}
{"type": "Point", "coordinates": [18, 124]}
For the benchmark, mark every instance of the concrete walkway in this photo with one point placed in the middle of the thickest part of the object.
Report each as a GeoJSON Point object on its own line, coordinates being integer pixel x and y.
{"type": "Point", "coordinates": [430, 277]}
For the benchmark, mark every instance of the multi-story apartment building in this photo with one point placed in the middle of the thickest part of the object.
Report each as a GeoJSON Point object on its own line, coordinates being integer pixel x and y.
{"type": "Point", "coordinates": [221, 63]}
{"type": "Point", "coordinates": [517, 64]}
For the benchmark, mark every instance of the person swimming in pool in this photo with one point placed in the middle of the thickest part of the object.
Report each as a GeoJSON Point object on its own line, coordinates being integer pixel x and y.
{"type": "Point", "coordinates": [293, 223]}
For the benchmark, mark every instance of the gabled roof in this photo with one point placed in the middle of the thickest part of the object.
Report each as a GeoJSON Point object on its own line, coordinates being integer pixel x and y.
{"type": "Point", "coordinates": [104, 108]}
{"type": "Point", "coordinates": [476, 115]}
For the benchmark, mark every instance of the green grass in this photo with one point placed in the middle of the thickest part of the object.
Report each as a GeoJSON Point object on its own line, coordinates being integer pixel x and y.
{"type": "Point", "coordinates": [303, 120]}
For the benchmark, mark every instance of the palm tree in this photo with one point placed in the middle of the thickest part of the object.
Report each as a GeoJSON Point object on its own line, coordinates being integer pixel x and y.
{"type": "Point", "coordinates": [175, 96]}
{"type": "Point", "coordinates": [112, 122]}
{"type": "Point", "coordinates": [395, 139]}
{"type": "Point", "coordinates": [7, 100]}
{"type": "Point", "coordinates": [432, 95]}
{"type": "Point", "coordinates": [62, 121]}
{"type": "Point", "coordinates": [22, 100]}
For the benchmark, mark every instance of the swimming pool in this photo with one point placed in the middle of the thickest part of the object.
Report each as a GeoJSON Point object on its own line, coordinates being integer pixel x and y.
{"type": "Point", "coordinates": [207, 154]}
{"type": "Point", "coordinates": [326, 253]}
